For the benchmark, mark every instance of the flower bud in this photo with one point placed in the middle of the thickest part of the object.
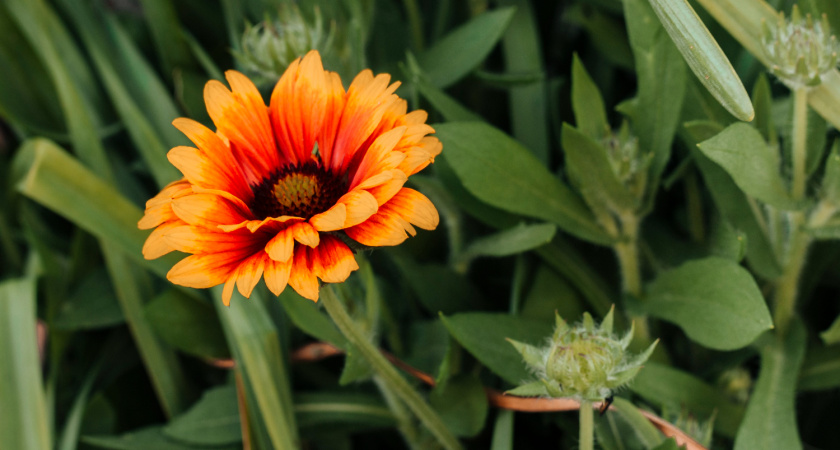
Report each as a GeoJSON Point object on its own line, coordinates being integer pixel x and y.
{"type": "Point", "coordinates": [585, 361]}
{"type": "Point", "coordinates": [628, 162]}
{"type": "Point", "coordinates": [801, 51]}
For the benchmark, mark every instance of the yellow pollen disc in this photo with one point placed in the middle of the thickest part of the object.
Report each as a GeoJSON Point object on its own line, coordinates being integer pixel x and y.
{"type": "Point", "coordinates": [296, 189]}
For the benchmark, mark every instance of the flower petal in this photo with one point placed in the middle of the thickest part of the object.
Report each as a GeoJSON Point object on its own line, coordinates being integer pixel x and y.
{"type": "Point", "coordinates": [249, 273]}
{"type": "Point", "coordinates": [207, 269]}
{"type": "Point", "coordinates": [383, 192]}
{"type": "Point", "coordinates": [351, 209]}
{"type": "Point", "coordinates": [332, 260]}
{"type": "Point", "coordinates": [156, 244]}
{"type": "Point", "coordinates": [207, 210]}
{"type": "Point", "coordinates": [277, 275]}
{"type": "Point", "coordinates": [302, 279]}
{"type": "Point", "coordinates": [159, 207]}
{"type": "Point", "coordinates": [281, 247]}
{"type": "Point", "coordinates": [376, 155]}
{"type": "Point", "coordinates": [331, 219]}
{"type": "Point", "coordinates": [306, 234]}
{"type": "Point", "coordinates": [392, 224]}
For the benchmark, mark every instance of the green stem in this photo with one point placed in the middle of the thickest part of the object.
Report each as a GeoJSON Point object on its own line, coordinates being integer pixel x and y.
{"type": "Point", "coordinates": [405, 423]}
{"type": "Point", "coordinates": [787, 286]}
{"type": "Point", "coordinates": [799, 153]}
{"type": "Point", "coordinates": [587, 428]}
{"type": "Point", "coordinates": [389, 375]}
{"type": "Point", "coordinates": [627, 252]}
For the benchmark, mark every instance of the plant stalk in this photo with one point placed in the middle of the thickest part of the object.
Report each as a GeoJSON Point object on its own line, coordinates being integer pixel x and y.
{"type": "Point", "coordinates": [587, 428]}
{"type": "Point", "coordinates": [627, 252]}
{"type": "Point", "coordinates": [799, 153]}
{"type": "Point", "coordinates": [787, 286]}
{"type": "Point", "coordinates": [387, 373]}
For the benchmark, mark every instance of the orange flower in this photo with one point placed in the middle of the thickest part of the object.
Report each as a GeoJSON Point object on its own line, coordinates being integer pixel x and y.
{"type": "Point", "coordinates": [268, 193]}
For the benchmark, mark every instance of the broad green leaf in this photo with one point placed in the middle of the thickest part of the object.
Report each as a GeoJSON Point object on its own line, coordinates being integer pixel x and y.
{"type": "Point", "coordinates": [93, 304]}
{"type": "Point", "coordinates": [590, 170]}
{"type": "Point", "coordinates": [752, 164]}
{"type": "Point", "coordinates": [662, 385]}
{"type": "Point", "coordinates": [439, 288]}
{"type": "Point", "coordinates": [704, 56]}
{"type": "Point", "coordinates": [356, 367]}
{"type": "Point", "coordinates": [587, 103]}
{"type": "Point", "coordinates": [25, 423]}
{"type": "Point", "coordinates": [662, 80]}
{"type": "Point", "coordinates": [606, 32]}
{"type": "Point", "coordinates": [448, 107]}
{"type": "Point", "coordinates": [462, 404]}
{"type": "Point", "coordinates": [459, 52]}
{"type": "Point", "coordinates": [770, 420]}
{"type": "Point", "coordinates": [213, 420]}
{"type": "Point", "coordinates": [307, 316]}
{"type": "Point", "coordinates": [763, 100]}
{"type": "Point", "coordinates": [502, 173]}
{"type": "Point", "coordinates": [145, 439]}
{"type": "Point", "coordinates": [714, 300]}
{"type": "Point", "coordinates": [821, 369]}
{"type": "Point", "coordinates": [566, 260]}
{"type": "Point", "coordinates": [511, 241]}
{"type": "Point", "coordinates": [528, 104]}
{"type": "Point", "coordinates": [744, 215]}
{"type": "Point", "coordinates": [832, 334]}
{"type": "Point", "coordinates": [485, 213]}
{"type": "Point", "coordinates": [255, 345]}
{"type": "Point", "coordinates": [484, 336]}
{"type": "Point", "coordinates": [187, 324]}
{"type": "Point", "coordinates": [548, 293]}
{"type": "Point", "coordinates": [166, 33]}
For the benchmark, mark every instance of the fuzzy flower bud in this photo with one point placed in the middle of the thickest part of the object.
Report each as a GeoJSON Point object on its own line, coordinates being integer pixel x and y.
{"type": "Point", "coordinates": [628, 162]}
{"type": "Point", "coordinates": [584, 361]}
{"type": "Point", "coordinates": [268, 47]}
{"type": "Point", "coordinates": [801, 51]}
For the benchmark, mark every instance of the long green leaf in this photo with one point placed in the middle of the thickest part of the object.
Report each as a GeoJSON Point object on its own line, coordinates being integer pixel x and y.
{"type": "Point", "coordinates": [25, 423]}
{"type": "Point", "coordinates": [704, 56]}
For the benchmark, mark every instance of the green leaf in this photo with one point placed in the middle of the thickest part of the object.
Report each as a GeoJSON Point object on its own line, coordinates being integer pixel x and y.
{"type": "Point", "coordinates": [821, 369]}
{"type": "Point", "coordinates": [662, 80]}
{"type": "Point", "coordinates": [503, 431]}
{"type": "Point", "coordinates": [462, 404]}
{"type": "Point", "coordinates": [662, 385]}
{"type": "Point", "coordinates": [93, 304]}
{"type": "Point", "coordinates": [742, 212]}
{"type": "Point", "coordinates": [832, 334]}
{"type": "Point", "coordinates": [589, 168]}
{"type": "Point", "coordinates": [450, 108]}
{"type": "Point", "coordinates": [549, 293]}
{"type": "Point", "coordinates": [528, 104]}
{"type": "Point", "coordinates": [770, 420]}
{"type": "Point", "coordinates": [350, 411]}
{"type": "Point", "coordinates": [511, 241]}
{"type": "Point", "coordinates": [144, 439]}
{"type": "Point", "coordinates": [668, 444]}
{"type": "Point", "coordinates": [356, 367]}
{"type": "Point", "coordinates": [255, 344]}
{"type": "Point", "coordinates": [25, 423]}
{"type": "Point", "coordinates": [166, 33]}
{"type": "Point", "coordinates": [213, 420]}
{"type": "Point", "coordinates": [484, 334]}
{"type": "Point", "coordinates": [439, 288]}
{"type": "Point", "coordinates": [619, 427]}
{"type": "Point", "coordinates": [502, 173]}
{"type": "Point", "coordinates": [752, 164]}
{"type": "Point", "coordinates": [714, 300]}
{"type": "Point", "coordinates": [587, 103]}
{"type": "Point", "coordinates": [762, 98]}
{"type": "Point", "coordinates": [704, 56]}
{"type": "Point", "coordinates": [307, 316]}
{"type": "Point", "coordinates": [459, 52]}
{"type": "Point", "coordinates": [831, 178]}
{"type": "Point", "coordinates": [188, 324]}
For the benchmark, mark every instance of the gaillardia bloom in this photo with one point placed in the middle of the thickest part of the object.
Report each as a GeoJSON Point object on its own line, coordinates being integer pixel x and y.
{"type": "Point", "coordinates": [270, 191]}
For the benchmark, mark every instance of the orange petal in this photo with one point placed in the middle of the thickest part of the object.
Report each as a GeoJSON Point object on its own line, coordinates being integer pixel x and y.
{"type": "Point", "coordinates": [333, 261]}
{"type": "Point", "coordinates": [249, 273]}
{"type": "Point", "coordinates": [206, 270]}
{"type": "Point", "coordinates": [217, 160]}
{"type": "Point", "coordinates": [159, 207]}
{"type": "Point", "coordinates": [156, 244]}
{"type": "Point", "coordinates": [267, 224]}
{"type": "Point", "coordinates": [204, 172]}
{"type": "Point", "coordinates": [227, 291]}
{"type": "Point", "coordinates": [306, 234]}
{"type": "Point", "coordinates": [376, 154]}
{"type": "Point", "coordinates": [302, 279]}
{"type": "Point", "coordinates": [331, 219]}
{"type": "Point", "coordinates": [385, 191]}
{"type": "Point", "coordinates": [360, 205]}
{"type": "Point", "coordinates": [242, 117]}
{"type": "Point", "coordinates": [277, 275]}
{"type": "Point", "coordinates": [392, 224]}
{"type": "Point", "coordinates": [280, 247]}
{"type": "Point", "coordinates": [192, 239]}
{"type": "Point", "coordinates": [207, 210]}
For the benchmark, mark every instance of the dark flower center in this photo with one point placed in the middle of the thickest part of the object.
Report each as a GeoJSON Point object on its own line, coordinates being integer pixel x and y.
{"type": "Point", "coordinates": [301, 190]}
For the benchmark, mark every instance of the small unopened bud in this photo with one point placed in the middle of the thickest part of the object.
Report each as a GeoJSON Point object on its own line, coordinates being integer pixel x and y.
{"type": "Point", "coordinates": [801, 51]}
{"type": "Point", "coordinates": [628, 162]}
{"type": "Point", "coordinates": [584, 361]}
{"type": "Point", "coordinates": [268, 47]}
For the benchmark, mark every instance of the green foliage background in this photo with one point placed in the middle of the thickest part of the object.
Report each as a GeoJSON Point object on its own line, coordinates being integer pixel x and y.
{"type": "Point", "coordinates": [704, 244]}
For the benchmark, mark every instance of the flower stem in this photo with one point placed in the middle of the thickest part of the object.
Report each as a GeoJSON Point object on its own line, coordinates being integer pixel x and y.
{"type": "Point", "coordinates": [787, 286]}
{"type": "Point", "coordinates": [387, 373]}
{"type": "Point", "coordinates": [627, 252]}
{"type": "Point", "coordinates": [799, 154]}
{"type": "Point", "coordinates": [587, 427]}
